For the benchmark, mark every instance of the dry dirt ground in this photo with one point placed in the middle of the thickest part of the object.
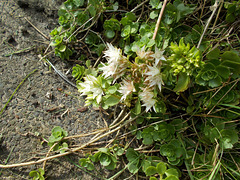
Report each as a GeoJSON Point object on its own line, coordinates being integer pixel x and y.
{"type": "Point", "coordinates": [32, 113]}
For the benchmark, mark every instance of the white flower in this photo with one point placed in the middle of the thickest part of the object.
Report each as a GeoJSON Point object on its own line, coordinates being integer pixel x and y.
{"type": "Point", "coordinates": [126, 88]}
{"type": "Point", "coordinates": [117, 63]}
{"type": "Point", "coordinates": [158, 55]}
{"type": "Point", "coordinates": [147, 97]}
{"type": "Point", "coordinates": [91, 88]}
{"type": "Point", "coordinates": [154, 77]}
{"type": "Point", "coordinates": [142, 54]}
{"type": "Point", "coordinates": [108, 70]}
{"type": "Point", "coordinates": [113, 54]}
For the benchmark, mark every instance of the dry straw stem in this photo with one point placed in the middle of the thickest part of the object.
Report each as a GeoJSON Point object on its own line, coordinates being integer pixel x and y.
{"type": "Point", "coordinates": [37, 29]}
{"type": "Point", "coordinates": [159, 19]}
{"type": "Point", "coordinates": [215, 6]}
{"type": "Point", "coordinates": [74, 149]}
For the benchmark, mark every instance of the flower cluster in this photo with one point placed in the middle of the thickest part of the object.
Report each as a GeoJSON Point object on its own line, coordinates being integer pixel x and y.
{"type": "Point", "coordinates": [92, 88]}
{"type": "Point", "coordinates": [140, 79]}
{"type": "Point", "coordinates": [117, 63]}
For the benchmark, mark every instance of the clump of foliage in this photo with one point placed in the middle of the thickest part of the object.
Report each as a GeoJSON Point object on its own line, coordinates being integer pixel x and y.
{"type": "Point", "coordinates": [37, 174]}
{"type": "Point", "coordinates": [56, 139]}
{"type": "Point", "coordinates": [176, 80]}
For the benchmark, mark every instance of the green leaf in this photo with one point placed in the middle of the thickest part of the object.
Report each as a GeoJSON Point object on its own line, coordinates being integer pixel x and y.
{"type": "Point", "coordinates": [223, 71]}
{"type": "Point", "coordinates": [132, 168]}
{"type": "Point", "coordinates": [105, 160]}
{"type": "Point", "coordinates": [154, 14]}
{"type": "Point", "coordinates": [62, 48]}
{"type": "Point", "coordinates": [229, 136]}
{"type": "Point", "coordinates": [109, 33]}
{"type": "Point", "coordinates": [34, 174]}
{"type": "Point", "coordinates": [137, 107]}
{"type": "Point", "coordinates": [111, 100]}
{"type": "Point", "coordinates": [78, 3]}
{"type": "Point", "coordinates": [111, 166]}
{"type": "Point", "coordinates": [214, 54]}
{"type": "Point", "coordinates": [112, 89]}
{"type": "Point", "coordinates": [126, 31]}
{"type": "Point", "coordinates": [104, 150]}
{"type": "Point", "coordinates": [132, 155]}
{"type": "Point", "coordinates": [235, 66]}
{"type": "Point", "coordinates": [215, 82]}
{"type": "Point", "coordinates": [156, 4]}
{"type": "Point", "coordinates": [41, 171]}
{"type": "Point", "coordinates": [171, 177]}
{"type": "Point", "coordinates": [145, 164]}
{"type": "Point", "coordinates": [92, 10]}
{"type": "Point", "coordinates": [161, 168]}
{"type": "Point", "coordinates": [92, 39]}
{"type": "Point", "coordinates": [231, 56]}
{"type": "Point", "coordinates": [147, 138]}
{"type": "Point", "coordinates": [160, 107]}
{"type": "Point", "coordinates": [230, 18]}
{"type": "Point", "coordinates": [172, 172]}
{"type": "Point", "coordinates": [182, 83]}
{"type": "Point", "coordinates": [153, 178]}
{"type": "Point", "coordinates": [151, 170]}
{"type": "Point", "coordinates": [134, 27]}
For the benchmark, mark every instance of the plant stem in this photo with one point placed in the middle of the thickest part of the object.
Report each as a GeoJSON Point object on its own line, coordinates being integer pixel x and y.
{"type": "Point", "coordinates": [215, 6]}
{"type": "Point", "coordinates": [159, 19]}
{"type": "Point", "coordinates": [71, 150]}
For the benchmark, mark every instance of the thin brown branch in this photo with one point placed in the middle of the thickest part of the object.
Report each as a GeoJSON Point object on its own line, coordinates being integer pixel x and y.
{"type": "Point", "coordinates": [159, 19]}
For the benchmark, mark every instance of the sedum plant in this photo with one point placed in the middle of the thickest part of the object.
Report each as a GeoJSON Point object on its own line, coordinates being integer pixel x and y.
{"type": "Point", "coordinates": [185, 99]}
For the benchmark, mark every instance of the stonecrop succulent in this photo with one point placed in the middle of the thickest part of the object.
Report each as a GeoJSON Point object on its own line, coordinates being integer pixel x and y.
{"type": "Point", "coordinates": [124, 80]}
{"type": "Point", "coordinates": [184, 59]}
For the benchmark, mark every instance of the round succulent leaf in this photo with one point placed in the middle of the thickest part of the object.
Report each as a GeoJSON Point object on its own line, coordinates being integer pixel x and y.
{"type": "Point", "coordinates": [172, 172]}
{"type": "Point", "coordinates": [179, 152]}
{"type": "Point", "coordinates": [105, 160]}
{"type": "Point", "coordinates": [208, 75]}
{"type": "Point", "coordinates": [132, 168]}
{"type": "Point", "coordinates": [167, 150]}
{"type": "Point", "coordinates": [230, 134]}
{"type": "Point", "coordinates": [95, 157]}
{"type": "Point", "coordinates": [231, 56]}
{"type": "Point", "coordinates": [176, 143]}
{"type": "Point", "coordinates": [171, 177]}
{"type": "Point", "coordinates": [153, 178]}
{"type": "Point", "coordinates": [164, 134]}
{"type": "Point", "coordinates": [109, 33]}
{"type": "Point", "coordinates": [83, 162]}
{"type": "Point", "coordinates": [213, 54]}
{"type": "Point", "coordinates": [172, 158]}
{"type": "Point", "coordinates": [175, 161]}
{"type": "Point", "coordinates": [200, 81]}
{"type": "Point", "coordinates": [154, 14]}
{"type": "Point", "coordinates": [151, 170]}
{"type": "Point", "coordinates": [132, 155]}
{"type": "Point", "coordinates": [230, 17]}
{"type": "Point", "coordinates": [223, 71]}
{"type": "Point", "coordinates": [208, 66]}
{"type": "Point", "coordinates": [34, 174]}
{"type": "Point", "coordinates": [182, 83]}
{"type": "Point", "coordinates": [147, 138]}
{"type": "Point", "coordinates": [161, 168]}
{"type": "Point", "coordinates": [53, 139]}
{"type": "Point", "coordinates": [111, 166]}
{"type": "Point", "coordinates": [145, 164]}
{"type": "Point", "coordinates": [214, 134]}
{"type": "Point", "coordinates": [215, 82]}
